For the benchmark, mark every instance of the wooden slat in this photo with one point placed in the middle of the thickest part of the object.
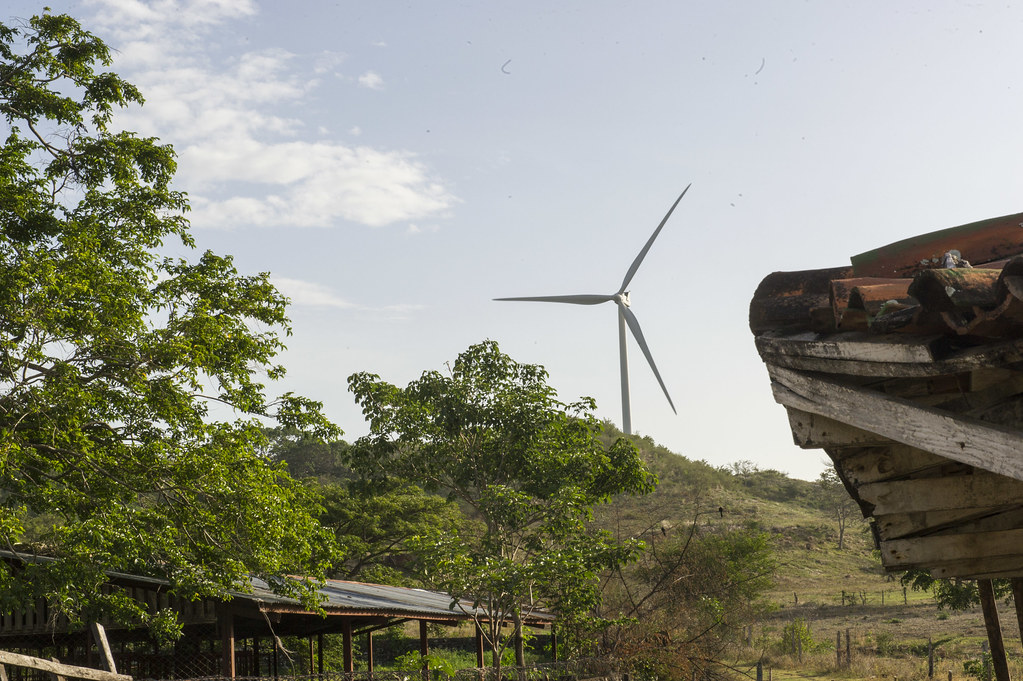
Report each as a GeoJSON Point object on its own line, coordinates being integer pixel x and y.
{"type": "Point", "coordinates": [105, 656]}
{"type": "Point", "coordinates": [813, 431]}
{"type": "Point", "coordinates": [942, 494]}
{"type": "Point", "coordinates": [946, 549]}
{"type": "Point", "coordinates": [975, 443]}
{"type": "Point", "coordinates": [787, 352]}
{"type": "Point", "coordinates": [859, 347]}
{"type": "Point", "coordinates": [958, 521]}
{"type": "Point", "coordinates": [988, 568]}
{"type": "Point", "coordinates": [58, 668]}
{"type": "Point", "coordinates": [876, 464]}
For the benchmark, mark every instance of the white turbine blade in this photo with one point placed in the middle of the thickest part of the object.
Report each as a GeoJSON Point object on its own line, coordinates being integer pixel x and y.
{"type": "Point", "coordinates": [642, 254]}
{"type": "Point", "coordinates": [638, 334]}
{"type": "Point", "coordinates": [575, 300]}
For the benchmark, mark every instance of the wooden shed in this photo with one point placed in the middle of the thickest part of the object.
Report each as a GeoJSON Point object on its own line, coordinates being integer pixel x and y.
{"type": "Point", "coordinates": [906, 367]}
{"type": "Point", "coordinates": [241, 636]}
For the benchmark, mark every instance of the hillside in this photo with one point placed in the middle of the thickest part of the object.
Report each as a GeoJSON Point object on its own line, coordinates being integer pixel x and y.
{"type": "Point", "coordinates": [835, 592]}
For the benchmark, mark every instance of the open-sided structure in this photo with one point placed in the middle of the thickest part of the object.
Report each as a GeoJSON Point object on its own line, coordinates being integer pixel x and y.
{"type": "Point", "coordinates": [242, 636]}
{"type": "Point", "coordinates": [906, 367]}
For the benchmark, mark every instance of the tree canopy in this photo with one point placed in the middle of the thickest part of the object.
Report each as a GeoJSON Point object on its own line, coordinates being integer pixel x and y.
{"type": "Point", "coordinates": [112, 456]}
{"type": "Point", "coordinates": [525, 467]}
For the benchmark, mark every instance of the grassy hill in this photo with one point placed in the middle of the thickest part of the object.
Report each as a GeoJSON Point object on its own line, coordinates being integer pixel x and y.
{"type": "Point", "coordinates": [834, 592]}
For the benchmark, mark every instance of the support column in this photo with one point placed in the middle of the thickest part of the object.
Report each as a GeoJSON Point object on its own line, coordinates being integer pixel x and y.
{"type": "Point", "coordinates": [479, 646]}
{"type": "Point", "coordinates": [346, 635]}
{"type": "Point", "coordinates": [424, 649]}
{"type": "Point", "coordinates": [319, 654]}
{"type": "Point", "coordinates": [369, 652]}
{"type": "Point", "coordinates": [1017, 598]}
{"type": "Point", "coordinates": [994, 630]}
{"type": "Point", "coordinates": [227, 661]}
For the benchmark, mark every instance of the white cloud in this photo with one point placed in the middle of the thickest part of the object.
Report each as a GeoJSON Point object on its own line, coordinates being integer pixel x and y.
{"type": "Point", "coordinates": [371, 80]}
{"type": "Point", "coordinates": [355, 131]}
{"type": "Point", "coordinates": [245, 157]}
{"type": "Point", "coordinates": [309, 294]}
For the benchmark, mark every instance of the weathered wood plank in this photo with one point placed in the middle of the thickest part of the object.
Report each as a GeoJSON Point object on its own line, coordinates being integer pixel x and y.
{"type": "Point", "coordinates": [877, 464]}
{"type": "Point", "coordinates": [944, 549]}
{"type": "Point", "coordinates": [105, 656]}
{"type": "Point", "coordinates": [958, 521]}
{"type": "Point", "coordinates": [860, 347]}
{"type": "Point", "coordinates": [813, 431]}
{"type": "Point", "coordinates": [779, 351]}
{"type": "Point", "coordinates": [989, 568]}
{"type": "Point", "coordinates": [58, 668]}
{"type": "Point", "coordinates": [942, 494]}
{"type": "Point", "coordinates": [994, 629]}
{"type": "Point", "coordinates": [976, 443]}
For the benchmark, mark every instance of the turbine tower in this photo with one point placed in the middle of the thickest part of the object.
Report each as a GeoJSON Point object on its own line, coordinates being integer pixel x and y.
{"type": "Point", "coordinates": [625, 318]}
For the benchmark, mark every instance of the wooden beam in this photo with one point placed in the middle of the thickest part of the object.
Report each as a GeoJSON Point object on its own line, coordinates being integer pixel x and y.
{"type": "Point", "coordinates": [788, 352]}
{"type": "Point", "coordinates": [105, 656]}
{"type": "Point", "coordinates": [907, 525]}
{"type": "Point", "coordinates": [70, 671]}
{"type": "Point", "coordinates": [940, 549]}
{"type": "Point", "coordinates": [878, 464]}
{"type": "Point", "coordinates": [1003, 567]}
{"type": "Point", "coordinates": [1017, 598]}
{"type": "Point", "coordinates": [813, 431]}
{"type": "Point", "coordinates": [976, 443]}
{"type": "Point", "coordinates": [994, 629]}
{"type": "Point", "coordinates": [979, 490]}
{"type": "Point", "coordinates": [856, 346]}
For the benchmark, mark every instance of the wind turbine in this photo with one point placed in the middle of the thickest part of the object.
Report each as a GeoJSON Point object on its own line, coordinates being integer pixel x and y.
{"type": "Point", "coordinates": [625, 317]}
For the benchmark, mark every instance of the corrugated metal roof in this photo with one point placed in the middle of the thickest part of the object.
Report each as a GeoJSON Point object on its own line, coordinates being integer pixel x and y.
{"type": "Point", "coordinates": [338, 597]}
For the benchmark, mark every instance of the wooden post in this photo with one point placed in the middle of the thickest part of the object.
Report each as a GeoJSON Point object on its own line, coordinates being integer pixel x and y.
{"type": "Point", "coordinates": [369, 653]}
{"type": "Point", "coordinates": [227, 663]}
{"type": "Point", "coordinates": [1017, 597]}
{"type": "Point", "coordinates": [479, 646]}
{"type": "Point", "coordinates": [346, 642]}
{"type": "Point", "coordinates": [848, 650]}
{"type": "Point", "coordinates": [838, 649]}
{"type": "Point", "coordinates": [994, 630]}
{"type": "Point", "coordinates": [319, 653]}
{"type": "Point", "coordinates": [424, 649]}
{"type": "Point", "coordinates": [760, 670]}
{"type": "Point", "coordinates": [105, 656]}
{"type": "Point", "coordinates": [309, 642]}
{"type": "Point", "coordinates": [930, 658]}
{"type": "Point", "coordinates": [554, 642]}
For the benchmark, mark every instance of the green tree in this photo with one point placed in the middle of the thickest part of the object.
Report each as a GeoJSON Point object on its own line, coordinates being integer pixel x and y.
{"type": "Point", "coordinates": [112, 355]}
{"type": "Point", "coordinates": [526, 468]}
{"type": "Point", "coordinates": [377, 528]}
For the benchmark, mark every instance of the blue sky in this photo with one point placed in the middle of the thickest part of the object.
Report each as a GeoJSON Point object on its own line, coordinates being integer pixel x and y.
{"type": "Point", "coordinates": [398, 165]}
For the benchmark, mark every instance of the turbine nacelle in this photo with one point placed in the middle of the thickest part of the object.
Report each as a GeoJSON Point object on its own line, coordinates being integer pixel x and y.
{"type": "Point", "coordinates": [626, 319]}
